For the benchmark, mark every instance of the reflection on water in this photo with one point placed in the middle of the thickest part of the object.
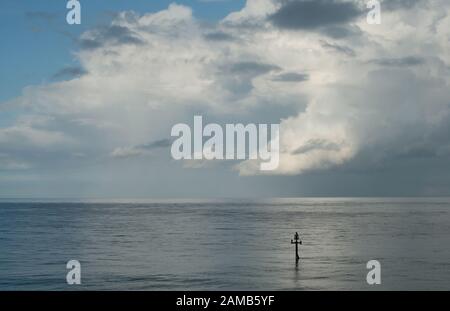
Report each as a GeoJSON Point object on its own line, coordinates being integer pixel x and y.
{"type": "Point", "coordinates": [234, 245]}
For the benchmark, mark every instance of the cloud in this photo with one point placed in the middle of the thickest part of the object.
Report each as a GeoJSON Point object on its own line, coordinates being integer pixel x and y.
{"type": "Point", "coordinates": [23, 135]}
{"type": "Point", "coordinates": [145, 149]}
{"type": "Point", "coordinates": [338, 48]}
{"type": "Point", "coordinates": [250, 68]}
{"type": "Point", "coordinates": [114, 34]}
{"type": "Point", "coordinates": [313, 14]}
{"type": "Point", "coordinates": [126, 152]}
{"type": "Point", "coordinates": [70, 72]}
{"type": "Point", "coordinates": [162, 143]}
{"type": "Point", "coordinates": [219, 36]}
{"type": "Point", "coordinates": [341, 32]}
{"type": "Point", "coordinates": [317, 144]}
{"type": "Point", "coordinates": [357, 99]}
{"type": "Point", "coordinates": [252, 16]}
{"type": "Point", "coordinates": [291, 77]}
{"type": "Point", "coordinates": [237, 78]}
{"type": "Point", "coordinates": [400, 4]}
{"type": "Point", "coordinates": [399, 62]}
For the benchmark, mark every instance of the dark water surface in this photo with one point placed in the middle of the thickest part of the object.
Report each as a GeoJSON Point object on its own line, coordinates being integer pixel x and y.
{"type": "Point", "coordinates": [226, 245]}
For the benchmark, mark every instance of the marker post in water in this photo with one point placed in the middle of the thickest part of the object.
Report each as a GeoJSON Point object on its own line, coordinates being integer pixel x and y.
{"type": "Point", "coordinates": [296, 241]}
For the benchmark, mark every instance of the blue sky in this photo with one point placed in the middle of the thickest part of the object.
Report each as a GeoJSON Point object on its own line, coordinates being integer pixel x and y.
{"type": "Point", "coordinates": [37, 41]}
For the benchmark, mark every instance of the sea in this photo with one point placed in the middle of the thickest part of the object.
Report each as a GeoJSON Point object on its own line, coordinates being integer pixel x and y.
{"type": "Point", "coordinates": [225, 244]}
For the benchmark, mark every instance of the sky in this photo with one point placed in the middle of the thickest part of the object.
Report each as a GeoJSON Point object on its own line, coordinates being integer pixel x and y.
{"type": "Point", "coordinates": [86, 110]}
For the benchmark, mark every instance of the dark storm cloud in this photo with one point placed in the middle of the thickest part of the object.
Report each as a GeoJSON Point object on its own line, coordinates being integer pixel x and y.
{"type": "Point", "coordinates": [291, 77]}
{"type": "Point", "coordinates": [219, 36]}
{"type": "Point", "coordinates": [89, 44]}
{"type": "Point", "coordinates": [113, 34]}
{"type": "Point", "coordinates": [70, 72]}
{"type": "Point", "coordinates": [399, 4]}
{"type": "Point", "coordinates": [399, 62]}
{"type": "Point", "coordinates": [238, 77]}
{"type": "Point", "coordinates": [340, 32]}
{"type": "Point", "coordinates": [251, 68]}
{"type": "Point", "coordinates": [314, 14]}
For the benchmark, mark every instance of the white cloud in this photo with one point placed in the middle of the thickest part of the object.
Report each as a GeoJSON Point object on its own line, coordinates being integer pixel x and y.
{"type": "Point", "coordinates": [24, 135]}
{"type": "Point", "coordinates": [126, 152]}
{"type": "Point", "coordinates": [151, 71]}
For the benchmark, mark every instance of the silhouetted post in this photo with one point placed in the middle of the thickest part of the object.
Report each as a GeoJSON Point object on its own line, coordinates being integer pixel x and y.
{"type": "Point", "coordinates": [296, 241]}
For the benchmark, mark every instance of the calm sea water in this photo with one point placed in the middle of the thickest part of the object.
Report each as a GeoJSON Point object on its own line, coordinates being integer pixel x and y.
{"type": "Point", "coordinates": [226, 245]}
